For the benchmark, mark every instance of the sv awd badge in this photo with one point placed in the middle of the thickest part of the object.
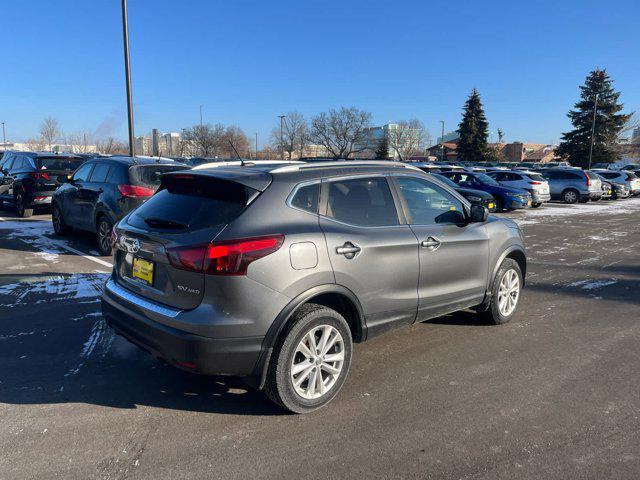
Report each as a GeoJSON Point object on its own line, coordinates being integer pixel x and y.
{"type": "Point", "coordinates": [184, 289]}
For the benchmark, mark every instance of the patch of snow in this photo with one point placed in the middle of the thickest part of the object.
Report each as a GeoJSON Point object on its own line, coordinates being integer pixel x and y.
{"type": "Point", "coordinates": [592, 284]}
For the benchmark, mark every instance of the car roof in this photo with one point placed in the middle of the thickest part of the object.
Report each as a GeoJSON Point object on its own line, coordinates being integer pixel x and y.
{"type": "Point", "coordinates": [126, 160]}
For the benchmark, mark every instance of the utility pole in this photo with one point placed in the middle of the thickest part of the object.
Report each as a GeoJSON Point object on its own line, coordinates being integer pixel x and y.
{"type": "Point", "coordinates": [200, 115]}
{"type": "Point", "coordinates": [4, 139]}
{"type": "Point", "coordinates": [593, 128]}
{"type": "Point", "coordinates": [127, 72]}
{"type": "Point", "coordinates": [442, 142]}
{"type": "Point", "coordinates": [282, 117]}
{"type": "Point", "coordinates": [256, 145]}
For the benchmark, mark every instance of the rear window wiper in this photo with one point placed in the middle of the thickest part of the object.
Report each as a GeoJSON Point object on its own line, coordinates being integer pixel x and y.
{"type": "Point", "coordinates": [164, 223]}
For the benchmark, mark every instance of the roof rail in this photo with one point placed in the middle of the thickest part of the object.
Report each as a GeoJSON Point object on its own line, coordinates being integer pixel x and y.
{"type": "Point", "coordinates": [343, 164]}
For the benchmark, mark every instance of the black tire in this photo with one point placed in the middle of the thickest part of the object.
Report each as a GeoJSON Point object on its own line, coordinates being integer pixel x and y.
{"type": "Point", "coordinates": [279, 384]}
{"type": "Point", "coordinates": [103, 235]}
{"type": "Point", "coordinates": [536, 205]}
{"type": "Point", "coordinates": [59, 225]}
{"type": "Point", "coordinates": [499, 207]}
{"type": "Point", "coordinates": [570, 195]}
{"type": "Point", "coordinates": [20, 208]}
{"type": "Point", "coordinates": [493, 314]}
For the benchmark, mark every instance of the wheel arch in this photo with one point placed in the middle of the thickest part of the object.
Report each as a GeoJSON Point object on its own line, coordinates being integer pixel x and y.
{"type": "Point", "coordinates": [334, 296]}
{"type": "Point", "coordinates": [516, 253]}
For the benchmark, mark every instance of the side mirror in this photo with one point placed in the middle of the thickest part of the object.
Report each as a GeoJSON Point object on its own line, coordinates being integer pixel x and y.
{"type": "Point", "coordinates": [63, 179]}
{"type": "Point", "coordinates": [479, 214]}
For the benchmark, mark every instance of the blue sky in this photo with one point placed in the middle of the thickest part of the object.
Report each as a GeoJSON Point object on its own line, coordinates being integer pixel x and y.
{"type": "Point", "coordinates": [248, 61]}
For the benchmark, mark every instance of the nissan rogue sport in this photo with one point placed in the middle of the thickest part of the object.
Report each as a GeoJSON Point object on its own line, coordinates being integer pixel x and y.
{"type": "Point", "coordinates": [273, 272]}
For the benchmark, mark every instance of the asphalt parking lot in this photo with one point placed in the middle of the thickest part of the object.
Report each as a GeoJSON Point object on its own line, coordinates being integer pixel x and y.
{"type": "Point", "coordinates": [553, 394]}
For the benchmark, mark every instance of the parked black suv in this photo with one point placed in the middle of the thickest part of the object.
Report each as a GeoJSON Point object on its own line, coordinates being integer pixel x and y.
{"type": "Point", "coordinates": [28, 179]}
{"type": "Point", "coordinates": [102, 191]}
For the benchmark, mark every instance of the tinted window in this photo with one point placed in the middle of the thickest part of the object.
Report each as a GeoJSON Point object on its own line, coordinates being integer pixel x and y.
{"type": "Point", "coordinates": [17, 164]}
{"type": "Point", "coordinates": [119, 174]}
{"type": "Point", "coordinates": [149, 175]}
{"type": "Point", "coordinates": [608, 174]}
{"type": "Point", "coordinates": [535, 177]}
{"type": "Point", "coordinates": [364, 201]}
{"type": "Point", "coordinates": [192, 203]}
{"type": "Point", "coordinates": [100, 173]}
{"type": "Point", "coordinates": [428, 203]}
{"type": "Point", "coordinates": [83, 172]}
{"type": "Point", "coordinates": [8, 163]}
{"type": "Point", "coordinates": [306, 198]}
{"type": "Point", "coordinates": [58, 163]}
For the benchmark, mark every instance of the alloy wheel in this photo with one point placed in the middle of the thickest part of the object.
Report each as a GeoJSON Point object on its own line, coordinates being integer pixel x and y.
{"type": "Point", "coordinates": [317, 362]}
{"type": "Point", "coordinates": [570, 197]}
{"type": "Point", "coordinates": [508, 292]}
{"type": "Point", "coordinates": [104, 236]}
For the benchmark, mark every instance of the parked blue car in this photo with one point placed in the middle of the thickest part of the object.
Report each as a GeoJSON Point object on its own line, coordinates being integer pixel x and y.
{"type": "Point", "coordinates": [507, 198]}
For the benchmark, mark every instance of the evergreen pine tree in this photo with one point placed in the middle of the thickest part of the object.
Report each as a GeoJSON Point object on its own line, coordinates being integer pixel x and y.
{"type": "Point", "coordinates": [473, 130]}
{"type": "Point", "coordinates": [382, 149]}
{"type": "Point", "coordinates": [575, 144]}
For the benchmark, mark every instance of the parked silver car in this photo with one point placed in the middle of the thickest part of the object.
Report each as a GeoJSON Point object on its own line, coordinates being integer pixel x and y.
{"type": "Point", "coordinates": [572, 185]}
{"type": "Point", "coordinates": [273, 272]}
{"type": "Point", "coordinates": [532, 182]}
{"type": "Point", "coordinates": [629, 179]}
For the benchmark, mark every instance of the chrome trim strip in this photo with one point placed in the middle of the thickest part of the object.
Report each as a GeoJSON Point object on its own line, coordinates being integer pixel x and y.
{"type": "Point", "coordinates": [126, 295]}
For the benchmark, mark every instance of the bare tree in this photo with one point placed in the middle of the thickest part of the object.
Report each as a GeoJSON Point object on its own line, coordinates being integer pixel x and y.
{"type": "Point", "coordinates": [49, 131]}
{"type": "Point", "coordinates": [342, 132]}
{"type": "Point", "coordinates": [235, 136]}
{"type": "Point", "coordinates": [294, 135]}
{"type": "Point", "coordinates": [631, 124]}
{"type": "Point", "coordinates": [35, 144]}
{"type": "Point", "coordinates": [111, 146]}
{"type": "Point", "coordinates": [204, 140]}
{"type": "Point", "coordinates": [77, 142]}
{"type": "Point", "coordinates": [409, 138]}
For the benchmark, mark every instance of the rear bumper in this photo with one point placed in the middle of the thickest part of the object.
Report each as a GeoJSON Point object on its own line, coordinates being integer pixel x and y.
{"type": "Point", "coordinates": [130, 317]}
{"type": "Point", "coordinates": [540, 197]}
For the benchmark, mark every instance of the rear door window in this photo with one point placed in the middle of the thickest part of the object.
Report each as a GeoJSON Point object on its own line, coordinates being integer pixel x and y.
{"type": "Point", "coordinates": [149, 175]}
{"type": "Point", "coordinates": [363, 202]}
{"type": "Point", "coordinates": [100, 172]}
{"type": "Point", "coordinates": [192, 202]}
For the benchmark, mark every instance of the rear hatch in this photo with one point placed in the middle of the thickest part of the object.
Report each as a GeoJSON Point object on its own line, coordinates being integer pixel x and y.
{"type": "Point", "coordinates": [593, 183]}
{"type": "Point", "coordinates": [186, 213]}
{"type": "Point", "coordinates": [49, 168]}
{"type": "Point", "coordinates": [538, 183]}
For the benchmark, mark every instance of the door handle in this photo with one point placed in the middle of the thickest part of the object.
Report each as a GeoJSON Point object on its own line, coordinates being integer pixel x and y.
{"type": "Point", "coordinates": [431, 243]}
{"type": "Point", "coordinates": [349, 250]}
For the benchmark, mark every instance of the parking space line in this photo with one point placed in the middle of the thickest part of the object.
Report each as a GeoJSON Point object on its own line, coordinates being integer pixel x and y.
{"type": "Point", "coordinates": [88, 257]}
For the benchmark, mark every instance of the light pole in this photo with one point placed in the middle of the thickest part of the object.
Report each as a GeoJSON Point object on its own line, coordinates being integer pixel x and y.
{"type": "Point", "coordinates": [593, 127]}
{"type": "Point", "coordinates": [256, 145]}
{"type": "Point", "coordinates": [4, 139]}
{"type": "Point", "coordinates": [201, 115]}
{"type": "Point", "coordinates": [282, 117]}
{"type": "Point", "coordinates": [127, 72]}
{"type": "Point", "coordinates": [442, 142]}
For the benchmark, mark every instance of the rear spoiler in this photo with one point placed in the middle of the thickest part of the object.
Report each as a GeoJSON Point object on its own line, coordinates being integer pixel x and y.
{"type": "Point", "coordinates": [255, 179]}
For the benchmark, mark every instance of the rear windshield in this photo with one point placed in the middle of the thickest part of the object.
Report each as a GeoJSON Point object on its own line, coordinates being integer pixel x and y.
{"type": "Point", "coordinates": [149, 175]}
{"type": "Point", "coordinates": [536, 177]}
{"type": "Point", "coordinates": [192, 202]}
{"type": "Point", "coordinates": [58, 163]}
{"type": "Point", "coordinates": [631, 176]}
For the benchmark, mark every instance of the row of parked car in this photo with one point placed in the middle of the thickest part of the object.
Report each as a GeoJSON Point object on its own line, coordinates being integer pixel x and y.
{"type": "Point", "coordinates": [91, 193]}
{"type": "Point", "coordinates": [500, 188]}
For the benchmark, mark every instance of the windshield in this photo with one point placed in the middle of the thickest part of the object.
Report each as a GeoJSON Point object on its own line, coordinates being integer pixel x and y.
{"type": "Point", "coordinates": [487, 180]}
{"type": "Point", "coordinates": [193, 202]}
{"type": "Point", "coordinates": [58, 163]}
{"type": "Point", "coordinates": [446, 180]}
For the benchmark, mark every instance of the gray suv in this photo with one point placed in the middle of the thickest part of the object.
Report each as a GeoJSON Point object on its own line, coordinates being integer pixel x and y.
{"type": "Point", "coordinates": [572, 185]}
{"type": "Point", "coordinates": [272, 272]}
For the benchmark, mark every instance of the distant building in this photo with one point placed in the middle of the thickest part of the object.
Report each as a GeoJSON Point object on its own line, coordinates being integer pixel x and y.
{"type": "Point", "coordinates": [513, 152]}
{"type": "Point", "coordinates": [159, 144]}
{"type": "Point", "coordinates": [635, 136]}
{"type": "Point", "coordinates": [449, 137]}
{"type": "Point", "coordinates": [378, 134]}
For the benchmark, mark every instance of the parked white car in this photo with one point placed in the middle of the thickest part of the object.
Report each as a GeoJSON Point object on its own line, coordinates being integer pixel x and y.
{"type": "Point", "coordinates": [532, 182]}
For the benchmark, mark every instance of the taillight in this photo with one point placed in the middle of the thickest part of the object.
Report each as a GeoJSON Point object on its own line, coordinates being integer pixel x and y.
{"type": "Point", "coordinates": [135, 191]}
{"type": "Point", "coordinates": [533, 182]}
{"type": "Point", "coordinates": [231, 257]}
{"type": "Point", "coordinates": [588, 181]}
{"type": "Point", "coordinates": [37, 175]}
